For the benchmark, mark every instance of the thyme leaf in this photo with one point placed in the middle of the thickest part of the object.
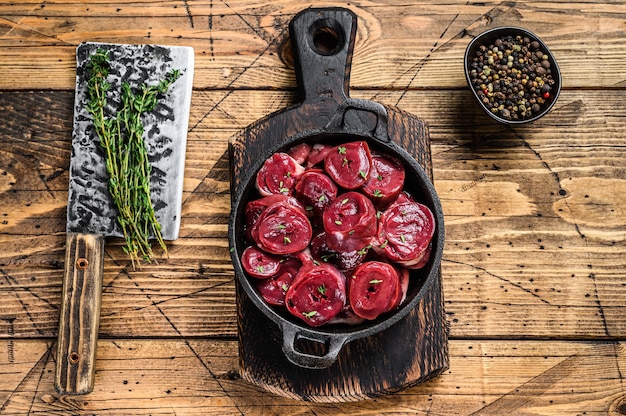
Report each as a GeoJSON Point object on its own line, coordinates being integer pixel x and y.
{"type": "Point", "coordinates": [309, 314]}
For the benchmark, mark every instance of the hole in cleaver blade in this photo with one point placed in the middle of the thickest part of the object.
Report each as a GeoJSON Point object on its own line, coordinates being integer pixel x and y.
{"type": "Point", "coordinates": [90, 208]}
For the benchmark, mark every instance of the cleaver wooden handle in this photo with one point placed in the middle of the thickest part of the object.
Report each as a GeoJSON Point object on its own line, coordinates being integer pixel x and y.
{"type": "Point", "coordinates": [80, 313]}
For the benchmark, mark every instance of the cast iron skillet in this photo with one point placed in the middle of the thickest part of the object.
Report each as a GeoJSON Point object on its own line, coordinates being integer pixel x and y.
{"type": "Point", "coordinates": [322, 42]}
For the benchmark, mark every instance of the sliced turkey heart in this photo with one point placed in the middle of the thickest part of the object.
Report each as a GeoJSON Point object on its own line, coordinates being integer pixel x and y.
{"type": "Point", "coordinates": [347, 317]}
{"type": "Point", "coordinates": [316, 190]}
{"type": "Point", "coordinates": [300, 153]}
{"type": "Point", "coordinates": [374, 289]}
{"type": "Point", "coordinates": [396, 299]}
{"type": "Point", "coordinates": [317, 154]}
{"type": "Point", "coordinates": [317, 293]}
{"type": "Point", "coordinates": [345, 261]}
{"type": "Point", "coordinates": [350, 222]}
{"type": "Point", "coordinates": [386, 180]}
{"type": "Point", "coordinates": [418, 264]}
{"type": "Point", "coordinates": [278, 175]}
{"type": "Point", "coordinates": [402, 198]}
{"type": "Point", "coordinates": [405, 231]}
{"type": "Point", "coordinates": [282, 229]}
{"type": "Point", "coordinates": [319, 248]}
{"type": "Point", "coordinates": [255, 207]}
{"type": "Point", "coordinates": [274, 289]}
{"type": "Point", "coordinates": [314, 226]}
{"type": "Point", "coordinates": [260, 264]}
{"type": "Point", "coordinates": [403, 275]}
{"type": "Point", "coordinates": [349, 164]}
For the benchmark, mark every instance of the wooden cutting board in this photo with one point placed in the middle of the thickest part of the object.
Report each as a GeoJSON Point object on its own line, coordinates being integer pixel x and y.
{"type": "Point", "coordinates": [412, 350]}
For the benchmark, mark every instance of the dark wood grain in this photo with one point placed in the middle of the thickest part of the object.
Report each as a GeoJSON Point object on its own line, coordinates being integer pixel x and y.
{"type": "Point", "coordinates": [80, 314]}
{"type": "Point", "coordinates": [409, 352]}
{"type": "Point", "coordinates": [238, 43]}
{"type": "Point", "coordinates": [509, 227]}
{"type": "Point", "coordinates": [200, 377]}
{"type": "Point", "coordinates": [533, 268]}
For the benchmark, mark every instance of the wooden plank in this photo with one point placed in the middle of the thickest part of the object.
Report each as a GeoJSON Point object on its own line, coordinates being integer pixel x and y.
{"type": "Point", "coordinates": [197, 376]}
{"type": "Point", "coordinates": [242, 44]}
{"type": "Point", "coordinates": [535, 223]}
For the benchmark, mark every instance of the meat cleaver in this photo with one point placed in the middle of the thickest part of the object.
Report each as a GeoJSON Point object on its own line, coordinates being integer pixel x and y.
{"type": "Point", "coordinates": [91, 214]}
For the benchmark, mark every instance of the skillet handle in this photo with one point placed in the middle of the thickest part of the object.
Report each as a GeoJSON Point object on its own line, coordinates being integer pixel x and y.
{"type": "Point", "coordinates": [360, 117]}
{"type": "Point", "coordinates": [322, 44]}
{"type": "Point", "coordinates": [334, 342]}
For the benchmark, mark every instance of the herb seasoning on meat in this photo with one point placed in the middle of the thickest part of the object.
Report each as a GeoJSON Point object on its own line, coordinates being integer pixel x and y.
{"type": "Point", "coordinates": [332, 235]}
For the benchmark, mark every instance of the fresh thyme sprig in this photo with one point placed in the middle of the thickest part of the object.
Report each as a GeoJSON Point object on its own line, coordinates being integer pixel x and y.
{"type": "Point", "coordinates": [127, 165]}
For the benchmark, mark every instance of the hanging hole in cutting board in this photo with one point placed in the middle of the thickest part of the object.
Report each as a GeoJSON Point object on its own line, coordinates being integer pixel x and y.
{"type": "Point", "coordinates": [326, 37]}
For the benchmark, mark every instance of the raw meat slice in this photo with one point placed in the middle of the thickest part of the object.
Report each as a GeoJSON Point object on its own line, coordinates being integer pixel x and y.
{"type": "Point", "coordinates": [306, 273]}
{"type": "Point", "coordinates": [349, 164]}
{"type": "Point", "coordinates": [404, 283]}
{"type": "Point", "coordinates": [402, 198]}
{"type": "Point", "coordinates": [255, 207]}
{"type": "Point", "coordinates": [403, 287]}
{"type": "Point", "coordinates": [374, 289]}
{"type": "Point", "coordinates": [350, 222]}
{"type": "Point", "coordinates": [319, 248]}
{"type": "Point", "coordinates": [348, 261]}
{"type": "Point", "coordinates": [300, 153]}
{"type": "Point", "coordinates": [274, 289]}
{"type": "Point", "coordinates": [282, 229]}
{"type": "Point", "coordinates": [317, 154]}
{"type": "Point", "coordinates": [345, 261]}
{"type": "Point", "coordinates": [278, 175]}
{"type": "Point", "coordinates": [315, 190]}
{"type": "Point", "coordinates": [414, 265]}
{"type": "Point", "coordinates": [259, 264]}
{"type": "Point", "coordinates": [346, 317]}
{"type": "Point", "coordinates": [386, 180]}
{"type": "Point", "coordinates": [317, 293]}
{"type": "Point", "coordinates": [404, 233]}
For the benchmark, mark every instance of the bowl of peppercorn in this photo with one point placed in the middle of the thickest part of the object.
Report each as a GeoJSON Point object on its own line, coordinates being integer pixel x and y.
{"type": "Point", "coordinates": [512, 74]}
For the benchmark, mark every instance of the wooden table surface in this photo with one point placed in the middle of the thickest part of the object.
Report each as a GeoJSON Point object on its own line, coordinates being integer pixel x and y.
{"type": "Point", "coordinates": [534, 269]}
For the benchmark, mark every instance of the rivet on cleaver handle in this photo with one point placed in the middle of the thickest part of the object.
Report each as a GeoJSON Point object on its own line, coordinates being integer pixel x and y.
{"type": "Point", "coordinates": [80, 313]}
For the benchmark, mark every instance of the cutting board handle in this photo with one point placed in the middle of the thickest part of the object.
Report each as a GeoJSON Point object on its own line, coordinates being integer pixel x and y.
{"type": "Point", "coordinates": [322, 44]}
{"type": "Point", "coordinates": [80, 313]}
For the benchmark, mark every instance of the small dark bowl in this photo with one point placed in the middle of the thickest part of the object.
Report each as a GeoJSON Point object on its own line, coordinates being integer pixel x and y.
{"type": "Point", "coordinates": [488, 38]}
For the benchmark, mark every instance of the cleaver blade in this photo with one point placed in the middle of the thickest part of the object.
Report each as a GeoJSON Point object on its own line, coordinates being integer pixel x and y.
{"type": "Point", "coordinates": [91, 213]}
